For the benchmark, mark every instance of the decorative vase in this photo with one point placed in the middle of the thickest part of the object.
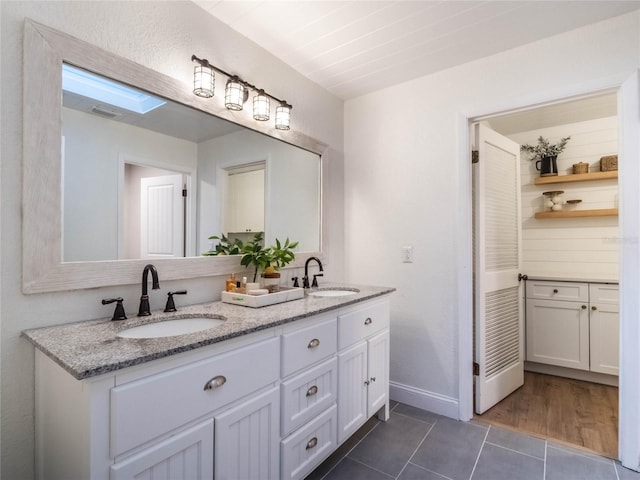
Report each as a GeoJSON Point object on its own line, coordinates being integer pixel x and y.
{"type": "Point", "coordinates": [547, 166]}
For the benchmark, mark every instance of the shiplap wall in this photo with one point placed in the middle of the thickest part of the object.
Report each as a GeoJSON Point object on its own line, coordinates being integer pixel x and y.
{"type": "Point", "coordinates": [580, 248]}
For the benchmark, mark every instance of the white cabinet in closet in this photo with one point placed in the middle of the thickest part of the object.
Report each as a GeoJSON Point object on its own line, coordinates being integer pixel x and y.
{"type": "Point", "coordinates": [573, 324]}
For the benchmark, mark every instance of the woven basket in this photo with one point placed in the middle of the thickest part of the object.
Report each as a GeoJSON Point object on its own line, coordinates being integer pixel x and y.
{"type": "Point", "coordinates": [608, 163]}
{"type": "Point", "coordinates": [581, 167]}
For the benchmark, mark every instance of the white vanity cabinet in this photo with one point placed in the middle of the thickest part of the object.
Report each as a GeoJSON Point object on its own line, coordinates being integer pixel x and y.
{"type": "Point", "coordinates": [363, 366]}
{"type": "Point", "coordinates": [573, 324]}
{"type": "Point", "coordinates": [268, 405]}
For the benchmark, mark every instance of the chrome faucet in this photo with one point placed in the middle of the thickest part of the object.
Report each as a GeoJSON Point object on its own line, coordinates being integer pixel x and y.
{"type": "Point", "coordinates": [144, 299]}
{"type": "Point", "coordinates": [305, 279]}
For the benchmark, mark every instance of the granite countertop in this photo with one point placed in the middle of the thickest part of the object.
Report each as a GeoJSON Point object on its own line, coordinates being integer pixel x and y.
{"type": "Point", "coordinates": [90, 348]}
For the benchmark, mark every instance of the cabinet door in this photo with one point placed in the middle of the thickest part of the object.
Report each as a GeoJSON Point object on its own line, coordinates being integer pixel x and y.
{"type": "Point", "coordinates": [558, 333]}
{"type": "Point", "coordinates": [187, 455]}
{"type": "Point", "coordinates": [247, 439]}
{"type": "Point", "coordinates": [378, 363]}
{"type": "Point", "coordinates": [352, 390]}
{"type": "Point", "coordinates": [605, 338]}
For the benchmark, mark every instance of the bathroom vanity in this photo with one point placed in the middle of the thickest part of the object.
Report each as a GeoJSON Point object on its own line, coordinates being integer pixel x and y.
{"type": "Point", "coordinates": [268, 394]}
{"type": "Point", "coordinates": [573, 325]}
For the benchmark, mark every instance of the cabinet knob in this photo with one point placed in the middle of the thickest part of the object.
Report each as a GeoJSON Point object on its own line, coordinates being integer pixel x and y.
{"type": "Point", "coordinates": [555, 290]}
{"type": "Point", "coordinates": [366, 382]}
{"type": "Point", "coordinates": [215, 382]}
{"type": "Point", "coordinates": [584, 307]}
{"type": "Point", "coordinates": [312, 443]}
{"type": "Point", "coordinates": [314, 343]}
{"type": "Point", "coordinates": [368, 321]}
{"type": "Point", "coordinates": [594, 308]}
{"type": "Point", "coordinates": [312, 391]}
{"type": "Point", "coordinates": [373, 379]}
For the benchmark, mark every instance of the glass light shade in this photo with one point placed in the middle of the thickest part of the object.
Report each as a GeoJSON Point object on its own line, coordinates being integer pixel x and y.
{"type": "Point", "coordinates": [234, 95]}
{"type": "Point", "coordinates": [283, 117]}
{"type": "Point", "coordinates": [261, 106]}
{"type": "Point", "coordinates": [203, 81]}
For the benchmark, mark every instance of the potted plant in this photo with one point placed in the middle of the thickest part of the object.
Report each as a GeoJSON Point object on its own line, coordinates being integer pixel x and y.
{"type": "Point", "coordinates": [546, 154]}
{"type": "Point", "coordinates": [254, 253]}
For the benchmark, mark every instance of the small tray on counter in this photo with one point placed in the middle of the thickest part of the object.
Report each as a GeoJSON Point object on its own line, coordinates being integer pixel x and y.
{"type": "Point", "coordinates": [285, 294]}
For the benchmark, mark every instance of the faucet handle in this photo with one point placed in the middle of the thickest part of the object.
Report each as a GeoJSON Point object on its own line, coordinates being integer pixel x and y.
{"type": "Point", "coordinates": [315, 279]}
{"type": "Point", "coordinates": [118, 313]}
{"type": "Point", "coordinates": [171, 306]}
{"type": "Point", "coordinates": [295, 281]}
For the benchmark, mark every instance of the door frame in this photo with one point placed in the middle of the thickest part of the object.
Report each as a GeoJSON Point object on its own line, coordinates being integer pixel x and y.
{"type": "Point", "coordinates": [628, 420]}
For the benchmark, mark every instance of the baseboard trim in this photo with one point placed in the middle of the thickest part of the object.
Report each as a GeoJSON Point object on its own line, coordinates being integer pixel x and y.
{"type": "Point", "coordinates": [585, 376]}
{"type": "Point", "coordinates": [433, 402]}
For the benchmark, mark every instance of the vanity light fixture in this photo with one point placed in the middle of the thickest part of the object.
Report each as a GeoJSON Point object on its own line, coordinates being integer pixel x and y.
{"type": "Point", "coordinates": [261, 106]}
{"type": "Point", "coordinates": [203, 80]}
{"type": "Point", "coordinates": [236, 93]}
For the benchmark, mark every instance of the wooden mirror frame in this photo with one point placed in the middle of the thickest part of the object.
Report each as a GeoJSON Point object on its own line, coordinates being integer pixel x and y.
{"type": "Point", "coordinates": [45, 49]}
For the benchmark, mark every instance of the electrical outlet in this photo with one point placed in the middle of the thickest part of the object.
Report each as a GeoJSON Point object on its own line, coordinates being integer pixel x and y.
{"type": "Point", "coordinates": [407, 254]}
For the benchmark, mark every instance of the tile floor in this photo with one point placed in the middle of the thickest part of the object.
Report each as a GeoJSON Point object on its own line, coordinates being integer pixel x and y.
{"type": "Point", "coordinates": [418, 445]}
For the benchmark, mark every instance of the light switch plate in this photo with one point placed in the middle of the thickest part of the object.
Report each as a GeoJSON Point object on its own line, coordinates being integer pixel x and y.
{"type": "Point", "coordinates": [407, 254]}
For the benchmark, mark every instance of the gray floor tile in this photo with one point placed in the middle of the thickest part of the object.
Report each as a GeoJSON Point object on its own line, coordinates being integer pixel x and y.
{"type": "Point", "coordinates": [578, 451]}
{"type": "Point", "coordinates": [416, 413]}
{"type": "Point", "coordinates": [565, 465]}
{"type": "Point", "coordinates": [517, 441]}
{"type": "Point", "coordinates": [390, 445]}
{"type": "Point", "coordinates": [626, 474]}
{"type": "Point", "coordinates": [413, 472]}
{"type": "Point", "coordinates": [352, 470]}
{"type": "Point", "coordinates": [498, 463]}
{"type": "Point", "coordinates": [451, 448]}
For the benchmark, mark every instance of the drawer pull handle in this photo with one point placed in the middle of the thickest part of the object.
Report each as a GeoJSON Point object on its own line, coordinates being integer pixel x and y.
{"type": "Point", "coordinates": [368, 321]}
{"type": "Point", "coordinates": [215, 382]}
{"type": "Point", "coordinates": [312, 391]}
{"type": "Point", "coordinates": [314, 343]}
{"type": "Point", "coordinates": [555, 290]}
{"type": "Point", "coordinates": [594, 308]}
{"type": "Point", "coordinates": [312, 443]}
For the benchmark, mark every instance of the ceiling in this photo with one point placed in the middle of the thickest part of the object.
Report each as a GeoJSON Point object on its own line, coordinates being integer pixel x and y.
{"type": "Point", "coordinates": [354, 47]}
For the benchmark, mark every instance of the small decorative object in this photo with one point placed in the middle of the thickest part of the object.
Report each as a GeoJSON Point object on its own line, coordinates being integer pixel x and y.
{"type": "Point", "coordinates": [546, 155]}
{"type": "Point", "coordinates": [581, 167]}
{"type": "Point", "coordinates": [552, 200]}
{"type": "Point", "coordinates": [573, 203]}
{"type": "Point", "coordinates": [608, 163]}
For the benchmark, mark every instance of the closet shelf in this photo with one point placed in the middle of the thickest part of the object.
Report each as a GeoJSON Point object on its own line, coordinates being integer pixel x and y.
{"type": "Point", "coordinates": [576, 177]}
{"type": "Point", "coordinates": [603, 212]}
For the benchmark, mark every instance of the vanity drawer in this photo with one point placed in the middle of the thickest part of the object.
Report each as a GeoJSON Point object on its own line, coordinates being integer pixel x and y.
{"type": "Point", "coordinates": [362, 323]}
{"type": "Point", "coordinates": [305, 449]}
{"type": "Point", "coordinates": [308, 345]}
{"type": "Point", "coordinates": [306, 395]}
{"type": "Point", "coordinates": [567, 291]}
{"type": "Point", "coordinates": [144, 409]}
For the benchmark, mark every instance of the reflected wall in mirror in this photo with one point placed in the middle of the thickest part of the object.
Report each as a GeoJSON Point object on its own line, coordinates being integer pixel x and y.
{"type": "Point", "coordinates": [81, 227]}
{"type": "Point", "coordinates": [156, 182]}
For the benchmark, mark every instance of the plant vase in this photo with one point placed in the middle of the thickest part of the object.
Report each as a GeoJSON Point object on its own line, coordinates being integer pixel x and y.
{"type": "Point", "coordinates": [547, 166]}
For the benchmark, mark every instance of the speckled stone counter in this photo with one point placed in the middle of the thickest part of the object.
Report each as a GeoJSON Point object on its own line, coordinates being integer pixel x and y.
{"type": "Point", "coordinates": [90, 348]}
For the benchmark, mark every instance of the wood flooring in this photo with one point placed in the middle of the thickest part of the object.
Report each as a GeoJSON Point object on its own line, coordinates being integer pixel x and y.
{"type": "Point", "coordinates": [579, 413]}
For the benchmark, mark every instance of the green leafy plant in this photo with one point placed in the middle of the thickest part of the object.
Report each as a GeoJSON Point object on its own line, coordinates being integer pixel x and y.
{"type": "Point", "coordinates": [544, 148]}
{"type": "Point", "coordinates": [225, 246]}
{"type": "Point", "coordinates": [254, 253]}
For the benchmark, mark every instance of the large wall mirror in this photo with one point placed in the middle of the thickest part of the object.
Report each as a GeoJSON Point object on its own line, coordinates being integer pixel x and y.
{"type": "Point", "coordinates": [108, 188]}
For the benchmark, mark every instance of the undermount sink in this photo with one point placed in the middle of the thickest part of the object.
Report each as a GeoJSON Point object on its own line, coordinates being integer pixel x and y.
{"type": "Point", "coordinates": [171, 328]}
{"type": "Point", "coordinates": [333, 292]}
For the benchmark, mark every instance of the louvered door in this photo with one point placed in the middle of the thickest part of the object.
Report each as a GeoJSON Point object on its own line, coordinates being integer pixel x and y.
{"type": "Point", "coordinates": [499, 324]}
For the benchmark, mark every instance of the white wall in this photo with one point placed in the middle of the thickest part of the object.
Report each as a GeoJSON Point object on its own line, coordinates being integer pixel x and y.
{"type": "Point", "coordinates": [163, 36]}
{"type": "Point", "coordinates": [404, 186]}
{"type": "Point", "coordinates": [580, 248]}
